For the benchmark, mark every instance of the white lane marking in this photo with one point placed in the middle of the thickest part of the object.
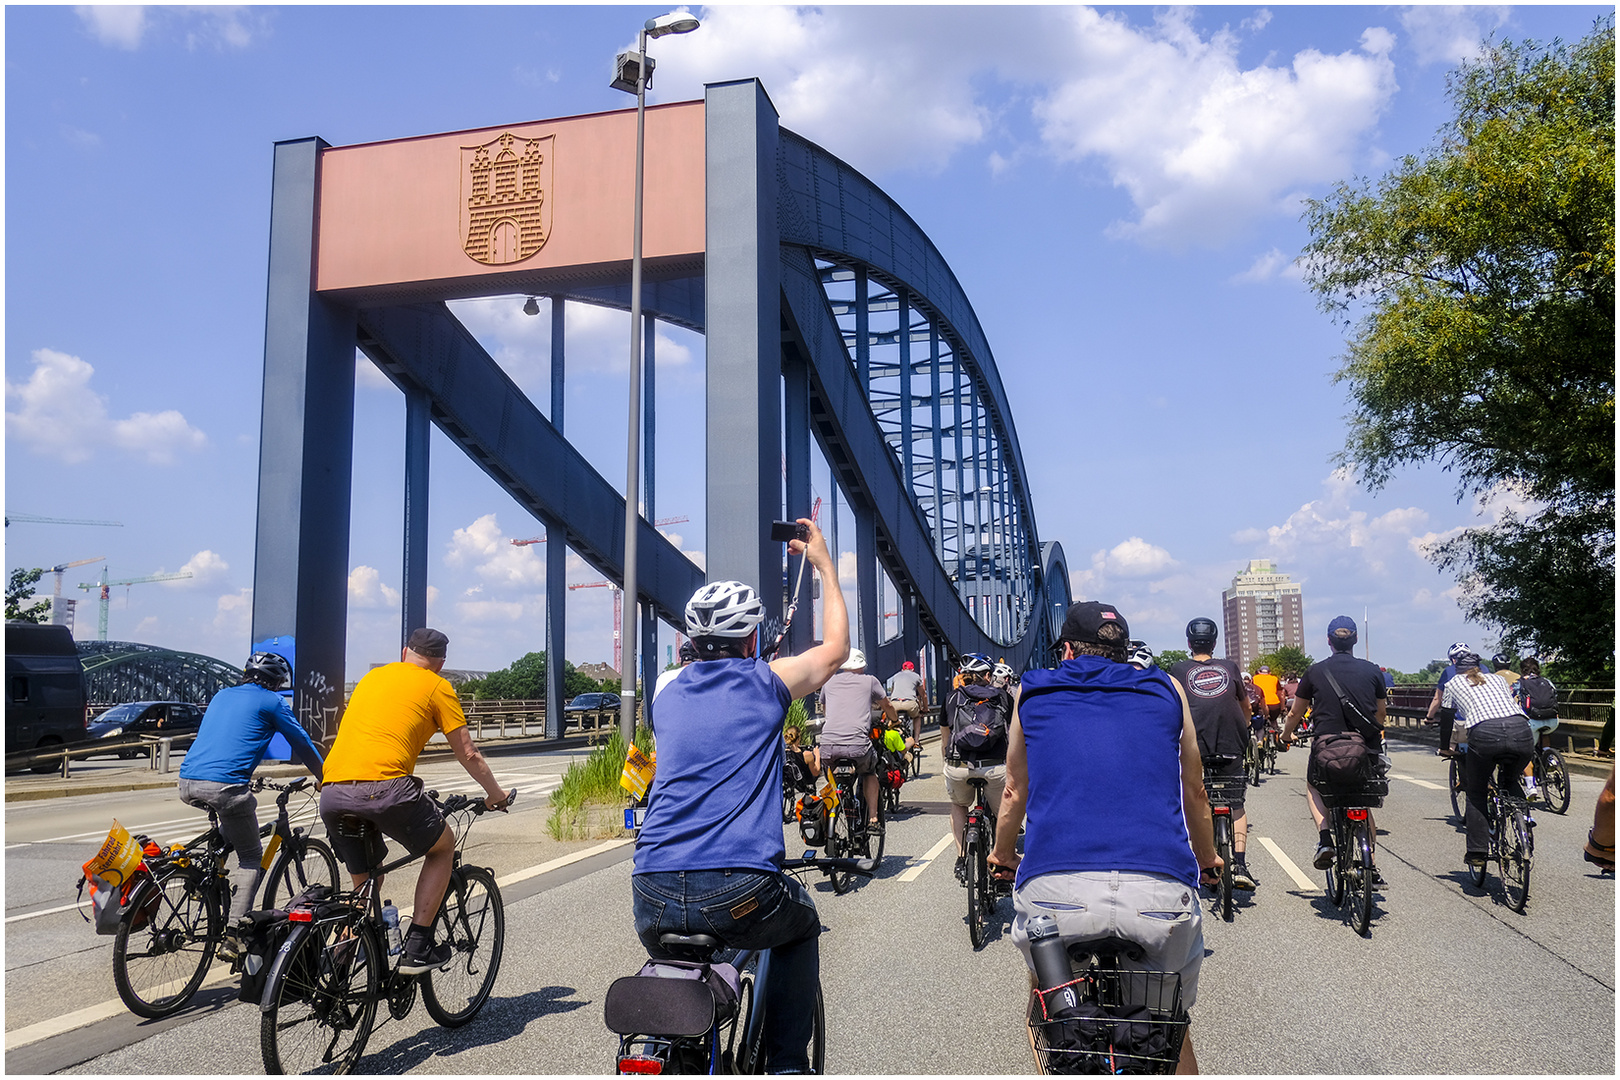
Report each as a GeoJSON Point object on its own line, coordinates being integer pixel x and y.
{"type": "Point", "coordinates": [45, 1029]}
{"type": "Point", "coordinates": [1286, 863]}
{"type": "Point", "coordinates": [1419, 783]}
{"type": "Point", "coordinates": [933, 853]}
{"type": "Point", "coordinates": [47, 911]}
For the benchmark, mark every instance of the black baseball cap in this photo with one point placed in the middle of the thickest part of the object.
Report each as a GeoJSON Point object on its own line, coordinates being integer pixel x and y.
{"type": "Point", "coordinates": [428, 642]}
{"type": "Point", "coordinates": [1087, 618]}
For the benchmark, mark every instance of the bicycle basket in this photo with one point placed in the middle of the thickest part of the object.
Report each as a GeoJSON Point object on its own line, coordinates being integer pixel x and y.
{"type": "Point", "coordinates": [1128, 1022]}
{"type": "Point", "coordinates": [1224, 790]}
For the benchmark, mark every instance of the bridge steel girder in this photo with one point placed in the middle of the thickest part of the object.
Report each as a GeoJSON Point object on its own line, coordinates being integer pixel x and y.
{"type": "Point", "coordinates": [423, 348]}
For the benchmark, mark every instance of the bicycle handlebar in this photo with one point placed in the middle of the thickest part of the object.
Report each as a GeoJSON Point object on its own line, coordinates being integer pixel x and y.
{"type": "Point", "coordinates": [863, 867]}
{"type": "Point", "coordinates": [472, 804]}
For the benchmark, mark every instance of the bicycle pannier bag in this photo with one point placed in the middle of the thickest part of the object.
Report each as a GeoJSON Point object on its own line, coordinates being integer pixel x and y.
{"type": "Point", "coordinates": [1540, 697]}
{"type": "Point", "coordinates": [260, 946]}
{"type": "Point", "coordinates": [1340, 760]}
{"type": "Point", "coordinates": [813, 821]}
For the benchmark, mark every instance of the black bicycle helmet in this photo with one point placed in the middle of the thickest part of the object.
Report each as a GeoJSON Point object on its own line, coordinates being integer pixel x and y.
{"type": "Point", "coordinates": [1202, 633]}
{"type": "Point", "coordinates": [1501, 660]}
{"type": "Point", "coordinates": [270, 670]}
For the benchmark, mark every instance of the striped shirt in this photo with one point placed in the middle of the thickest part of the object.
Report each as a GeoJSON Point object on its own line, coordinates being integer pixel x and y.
{"type": "Point", "coordinates": [1490, 700]}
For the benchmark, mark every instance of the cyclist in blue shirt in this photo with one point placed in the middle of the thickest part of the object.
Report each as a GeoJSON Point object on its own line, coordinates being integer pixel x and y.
{"type": "Point", "coordinates": [709, 857]}
{"type": "Point", "coordinates": [1458, 648]}
{"type": "Point", "coordinates": [235, 730]}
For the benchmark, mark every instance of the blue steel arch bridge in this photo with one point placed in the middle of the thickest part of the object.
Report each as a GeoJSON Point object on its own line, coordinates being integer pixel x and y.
{"type": "Point", "coordinates": [828, 315]}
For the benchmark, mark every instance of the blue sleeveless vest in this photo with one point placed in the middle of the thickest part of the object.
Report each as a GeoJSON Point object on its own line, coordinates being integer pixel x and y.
{"type": "Point", "coordinates": [1103, 746]}
{"type": "Point", "coordinates": [716, 801]}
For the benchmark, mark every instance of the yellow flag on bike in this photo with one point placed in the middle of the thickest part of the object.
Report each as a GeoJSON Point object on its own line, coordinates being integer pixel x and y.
{"type": "Point", "coordinates": [637, 776]}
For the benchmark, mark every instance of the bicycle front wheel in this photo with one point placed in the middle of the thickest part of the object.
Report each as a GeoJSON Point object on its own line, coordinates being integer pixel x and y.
{"type": "Point", "coordinates": [325, 1003]}
{"type": "Point", "coordinates": [1361, 904]}
{"type": "Point", "coordinates": [1555, 781]}
{"type": "Point", "coordinates": [302, 863]}
{"type": "Point", "coordinates": [472, 920]}
{"type": "Point", "coordinates": [1518, 850]}
{"type": "Point", "coordinates": [164, 944]}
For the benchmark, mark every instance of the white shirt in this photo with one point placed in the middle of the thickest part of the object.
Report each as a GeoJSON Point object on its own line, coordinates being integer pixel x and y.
{"type": "Point", "coordinates": [1490, 700]}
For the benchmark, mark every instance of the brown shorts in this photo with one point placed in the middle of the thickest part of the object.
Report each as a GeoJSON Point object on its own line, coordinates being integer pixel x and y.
{"type": "Point", "coordinates": [397, 806]}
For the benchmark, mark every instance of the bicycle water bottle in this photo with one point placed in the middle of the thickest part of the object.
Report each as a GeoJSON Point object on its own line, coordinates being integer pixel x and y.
{"type": "Point", "coordinates": [390, 915]}
{"type": "Point", "coordinates": [1052, 967]}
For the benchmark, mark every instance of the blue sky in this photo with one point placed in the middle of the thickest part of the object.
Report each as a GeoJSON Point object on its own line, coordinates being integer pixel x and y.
{"type": "Point", "coordinates": [1117, 189]}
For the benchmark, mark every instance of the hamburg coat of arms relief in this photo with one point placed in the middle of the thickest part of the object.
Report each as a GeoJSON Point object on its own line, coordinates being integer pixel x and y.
{"type": "Point", "coordinates": [506, 198]}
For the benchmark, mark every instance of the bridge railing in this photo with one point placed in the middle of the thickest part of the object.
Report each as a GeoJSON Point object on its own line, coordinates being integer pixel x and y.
{"type": "Point", "coordinates": [1583, 712]}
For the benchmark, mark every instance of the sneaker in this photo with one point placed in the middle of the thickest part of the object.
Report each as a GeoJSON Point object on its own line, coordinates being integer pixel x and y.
{"type": "Point", "coordinates": [230, 947]}
{"type": "Point", "coordinates": [1378, 879]}
{"type": "Point", "coordinates": [433, 958]}
{"type": "Point", "coordinates": [961, 869]}
{"type": "Point", "coordinates": [1242, 879]}
{"type": "Point", "coordinates": [1324, 856]}
{"type": "Point", "coordinates": [1532, 793]}
{"type": "Point", "coordinates": [1476, 860]}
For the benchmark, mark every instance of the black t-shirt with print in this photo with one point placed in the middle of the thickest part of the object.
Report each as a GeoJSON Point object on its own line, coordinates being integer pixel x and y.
{"type": "Point", "coordinates": [1219, 703]}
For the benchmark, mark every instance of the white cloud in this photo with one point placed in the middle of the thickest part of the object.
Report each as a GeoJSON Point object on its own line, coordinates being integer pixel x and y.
{"type": "Point", "coordinates": [484, 548]}
{"type": "Point", "coordinates": [1268, 265]}
{"type": "Point", "coordinates": [1446, 35]}
{"type": "Point", "coordinates": [597, 338]}
{"type": "Point", "coordinates": [1202, 145]}
{"type": "Point", "coordinates": [233, 615]}
{"type": "Point", "coordinates": [1132, 558]}
{"type": "Point", "coordinates": [489, 611]}
{"type": "Point", "coordinates": [145, 626]}
{"type": "Point", "coordinates": [367, 589]}
{"type": "Point", "coordinates": [59, 415]}
{"type": "Point", "coordinates": [206, 568]}
{"type": "Point", "coordinates": [128, 26]}
{"type": "Point", "coordinates": [847, 568]}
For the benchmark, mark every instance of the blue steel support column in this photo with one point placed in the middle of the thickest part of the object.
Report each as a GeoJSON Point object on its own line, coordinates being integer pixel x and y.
{"type": "Point", "coordinates": [306, 449]}
{"type": "Point", "coordinates": [743, 320]}
{"type": "Point", "coordinates": [977, 450]}
{"type": "Point", "coordinates": [939, 469]}
{"type": "Point", "coordinates": [863, 337]}
{"type": "Point", "coordinates": [904, 305]}
{"type": "Point", "coordinates": [866, 580]}
{"type": "Point", "coordinates": [796, 449]}
{"type": "Point", "coordinates": [413, 589]}
{"type": "Point", "coordinates": [556, 550]}
{"type": "Point", "coordinates": [960, 478]}
{"type": "Point", "coordinates": [647, 654]}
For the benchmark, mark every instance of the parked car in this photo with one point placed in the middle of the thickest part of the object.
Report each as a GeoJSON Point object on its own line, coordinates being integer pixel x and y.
{"type": "Point", "coordinates": [585, 703]}
{"type": "Point", "coordinates": [146, 718]}
{"type": "Point", "coordinates": [45, 702]}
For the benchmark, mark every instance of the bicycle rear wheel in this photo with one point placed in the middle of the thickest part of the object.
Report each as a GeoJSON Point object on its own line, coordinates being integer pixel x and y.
{"type": "Point", "coordinates": [875, 837]}
{"type": "Point", "coordinates": [472, 920]}
{"type": "Point", "coordinates": [1361, 904]}
{"type": "Point", "coordinates": [323, 1007]}
{"type": "Point", "coordinates": [976, 915]}
{"type": "Point", "coordinates": [1459, 797]}
{"type": "Point", "coordinates": [1271, 755]}
{"type": "Point", "coordinates": [840, 845]}
{"type": "Point", "coordinates": [164, 944]}
{"type": "Point", "coordinates": [1223, 845]}
{"type": "Point", "coordinates": [1554, 781]}
{"type": "Point", "coordinates": [1335, 871]}
{"type": "Point", "coordinates": [302, 863]}
{"type": "Point", "coordinates": [1518, 850]}
{"type": "Point", "coordinates": [1252, 763]}
{"type": "Point", "coordinates": [747, 1047]}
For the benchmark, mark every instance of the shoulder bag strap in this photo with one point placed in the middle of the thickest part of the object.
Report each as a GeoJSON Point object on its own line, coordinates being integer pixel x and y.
{"type": "Point", "coordinates": [1351, 710]}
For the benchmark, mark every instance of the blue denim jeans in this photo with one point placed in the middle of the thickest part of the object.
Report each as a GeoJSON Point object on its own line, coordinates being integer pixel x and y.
{"type": "Point", "coordinates": [746, 909]}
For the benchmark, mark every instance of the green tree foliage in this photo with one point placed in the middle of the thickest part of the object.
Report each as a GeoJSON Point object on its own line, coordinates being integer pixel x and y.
{"type": "Point", "coordinates": [20, 604]}
{"type": "Point", "coordinates": [1427, 677]}
{"type": "Point", "coordinates": [1286, 663]}
{"type": "Point", "coordinates": [525, 679]}
{"type": "Point", "coordinates": [1169, 658]}
{"type": "Point", "coordinates": [1479, 279]}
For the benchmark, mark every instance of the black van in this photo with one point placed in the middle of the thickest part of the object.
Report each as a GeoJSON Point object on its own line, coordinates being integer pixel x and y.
{"type": "Point", "coordinates": [45, 699]}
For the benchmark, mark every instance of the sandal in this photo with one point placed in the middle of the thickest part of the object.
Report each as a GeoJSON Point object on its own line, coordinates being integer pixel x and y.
{"type": "Point", "coordinates": [1597, 854]}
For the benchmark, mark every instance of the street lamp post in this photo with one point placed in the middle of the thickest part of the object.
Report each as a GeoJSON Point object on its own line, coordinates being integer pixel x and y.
{"type": "Point", "coordinates": [632, 73]}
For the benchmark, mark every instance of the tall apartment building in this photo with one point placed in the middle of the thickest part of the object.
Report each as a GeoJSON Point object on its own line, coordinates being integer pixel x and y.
{"type": "Point", "coordinates": [1263, 611]}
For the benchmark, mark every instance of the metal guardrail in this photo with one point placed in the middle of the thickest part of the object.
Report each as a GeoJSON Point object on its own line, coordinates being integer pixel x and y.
{"type": "Point", "coordinates": [157, 749]}
{"type": "Point", "coordinates": [1583, 712]}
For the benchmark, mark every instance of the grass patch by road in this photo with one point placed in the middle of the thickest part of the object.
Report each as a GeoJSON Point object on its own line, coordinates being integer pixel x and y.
{"type": "Point", "coordinates": [589, 803]}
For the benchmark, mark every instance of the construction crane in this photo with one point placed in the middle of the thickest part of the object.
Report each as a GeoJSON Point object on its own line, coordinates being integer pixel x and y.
{"type": "Point", "coordinates": [106, 592]}
{"type": "Point", "coordinates": [657, 524]}
{"type": "Point", "coordinates": [58, 610]}
{"type": "Point", "coordinates": [618, 619]}
{"type": "Point", "coordinates": [31, 519]}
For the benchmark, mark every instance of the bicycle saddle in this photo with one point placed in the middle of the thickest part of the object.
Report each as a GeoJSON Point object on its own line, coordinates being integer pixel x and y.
{"type": "Point", "coordinates": [355, 827]}
{"type": "Point", "coordinates": [1107, 947]}
{"type": "Point", "coordinates": [700, 946]}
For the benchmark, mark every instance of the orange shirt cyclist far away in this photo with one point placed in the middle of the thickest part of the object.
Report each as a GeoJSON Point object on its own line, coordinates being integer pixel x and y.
{"type": "Point", "coordinates": [1267, 682]}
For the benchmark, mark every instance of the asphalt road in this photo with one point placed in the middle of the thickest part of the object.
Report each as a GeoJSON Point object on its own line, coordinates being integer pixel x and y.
{"type": "Point", "coordinates": [1451, 981]}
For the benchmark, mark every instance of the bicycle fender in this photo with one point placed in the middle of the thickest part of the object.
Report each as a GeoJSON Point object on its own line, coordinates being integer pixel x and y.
{"type": "Point", "coordinates": [278, 966]}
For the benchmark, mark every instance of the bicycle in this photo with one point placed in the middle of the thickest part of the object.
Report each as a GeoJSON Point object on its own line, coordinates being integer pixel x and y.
{"type": "Point", "coordinates": [1552, 777]}
{"type": "Point", "coordinates": [319, 1003]}
{"type": "Point", "coordinates": [174, 920]}
{"type": "Point", "coordinates": [983, 889]}
{"type": "Point", "coordinates": [849, 835]}
{"type": "Point", "coordinates": [1121, 1020]}
{"type": "Point", "coordinates": [1513, 845]}
{"type": "Point", "coordinates": [1269, 748]}
{"type": "Point", "coordinates": [1223, 790]}
{"type": "Point", "coordinates": [704, 1011]}
{"type": "Point", "coordinates": [1253, 758]}
{"type": "Point", "coordinates": [1353, 873]}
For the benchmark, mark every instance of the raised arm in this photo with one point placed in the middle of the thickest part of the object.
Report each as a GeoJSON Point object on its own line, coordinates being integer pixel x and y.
{"type": "Point", "coordinates": [805, 673]}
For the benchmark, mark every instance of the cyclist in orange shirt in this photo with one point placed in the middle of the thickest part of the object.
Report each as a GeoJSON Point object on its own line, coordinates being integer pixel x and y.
{"type": "Point", "coordinates": [1267, 682]}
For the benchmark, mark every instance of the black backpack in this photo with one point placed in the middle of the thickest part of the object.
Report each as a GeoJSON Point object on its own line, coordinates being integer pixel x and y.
{"type": "Point", "coordinates": [979, 719]}
{"type": "Point", "coordinates": [1540, 697]}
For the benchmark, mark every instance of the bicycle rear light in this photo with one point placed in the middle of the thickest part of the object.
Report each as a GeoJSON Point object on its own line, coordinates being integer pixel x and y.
{"type": "Point", "coordinates": [1356, 813]}
{"type": "Point", "coordinates": [301, 915]}
{"type": "Point", "coordinates": [1227, 810]}
{"type": "Point", "coordinates": [636, 1064]}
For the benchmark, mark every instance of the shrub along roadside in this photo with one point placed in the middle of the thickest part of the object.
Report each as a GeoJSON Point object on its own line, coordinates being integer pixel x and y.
{"type": "Point", "coordinates": [589, 802]}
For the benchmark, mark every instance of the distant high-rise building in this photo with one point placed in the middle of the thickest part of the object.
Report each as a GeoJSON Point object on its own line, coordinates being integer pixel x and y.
{"type": "Point", "coordinates": [1263, 611]}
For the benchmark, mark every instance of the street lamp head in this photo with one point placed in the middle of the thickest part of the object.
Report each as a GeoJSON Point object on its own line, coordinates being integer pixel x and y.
{"type": "Point", "coordinates": [676, 22]}
{"type": "Point", "coordinates": [627, 71]}
{"type": "Point", "coordinates": [531, 307]}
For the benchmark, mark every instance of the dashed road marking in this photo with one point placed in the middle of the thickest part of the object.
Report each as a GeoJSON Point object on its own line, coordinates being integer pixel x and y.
{"type": "Point", "coordinates": [1286, 863]}
{"type": "Point", "coordinates": [923, 864]}
{"type": "Point", "coordinates": [1419, 783]}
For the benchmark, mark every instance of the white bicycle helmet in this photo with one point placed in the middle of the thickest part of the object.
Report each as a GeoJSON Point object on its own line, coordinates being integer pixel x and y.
{"type": "Point", "coordinates": [723, 609]}
{"type": "Point", "coordinates": [975, 664]}
{"type": "Point", "coordinates": [1142, 656]}
{"type": "Point", "coordinates": [1001, 673]}
{"type": "Point", "coordinates": [1458, 648]}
